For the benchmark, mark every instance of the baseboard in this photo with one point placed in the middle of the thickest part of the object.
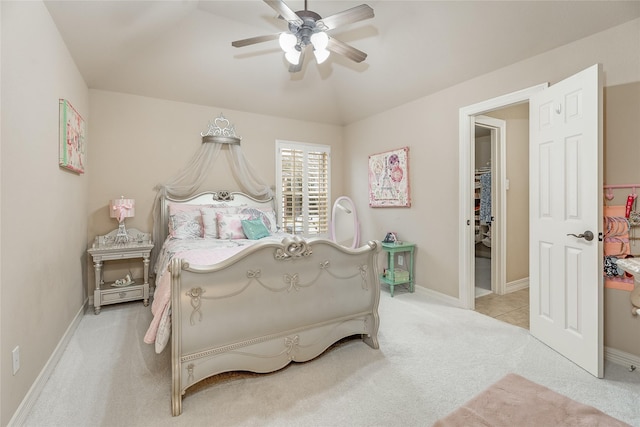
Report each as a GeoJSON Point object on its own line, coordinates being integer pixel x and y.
{"type": "Point", "coordinates": [516, 285]}
{"type": "Point", "coordinates": [620, 357]}
{"type": "Point", "coordinates": [440, 297]}
{"type": "Point", "coordinates": [32, 395]}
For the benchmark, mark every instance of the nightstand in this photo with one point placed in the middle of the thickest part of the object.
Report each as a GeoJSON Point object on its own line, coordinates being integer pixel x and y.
{"type": "Point", "coordinates": [402, 273]}
{"type": "Point", "coordinates": [106, 249]}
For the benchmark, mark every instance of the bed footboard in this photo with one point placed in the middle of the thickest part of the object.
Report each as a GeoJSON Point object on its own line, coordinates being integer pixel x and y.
{"type": "Point", "coordinates": [268, 306]}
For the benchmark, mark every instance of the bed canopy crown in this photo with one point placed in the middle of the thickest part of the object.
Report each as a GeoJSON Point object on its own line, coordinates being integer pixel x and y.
{"type": "Point", "coordinates": [221, 131]}
{"type": "Point", "coordinates": [187, 181]}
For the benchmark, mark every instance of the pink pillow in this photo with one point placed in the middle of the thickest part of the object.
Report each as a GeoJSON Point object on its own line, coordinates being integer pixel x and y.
{"type": "Point", "coordinates": [230, 225]}
{"type": "Point", "coordinates": [210, 219]}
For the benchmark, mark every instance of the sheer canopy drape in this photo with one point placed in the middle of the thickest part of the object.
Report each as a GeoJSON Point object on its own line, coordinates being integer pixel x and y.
{"type": "Point", "coordinates": [189, 180]}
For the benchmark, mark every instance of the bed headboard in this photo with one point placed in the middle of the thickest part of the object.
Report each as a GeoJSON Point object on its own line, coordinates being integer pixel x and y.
{"type": "Point", "coordinates": [231, 198]}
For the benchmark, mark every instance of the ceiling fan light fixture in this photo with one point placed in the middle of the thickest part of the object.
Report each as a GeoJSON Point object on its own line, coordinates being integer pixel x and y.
{"type": "Point", "coordinates": [306, 28]}
{"type": "Point", "coordinates": [321, 55]}
{"type": "Point", "coordinates": [293, 56]}
{"type": "Point", "coordinates": [287, 41]}
{"type": "Point", "coordinates": [320, 40]}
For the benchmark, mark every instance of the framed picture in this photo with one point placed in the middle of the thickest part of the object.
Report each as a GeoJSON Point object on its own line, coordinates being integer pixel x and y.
{"type": "Point", "coordinates": [389, 179]}
{"type": "Point", "coordinates": [72, 138]}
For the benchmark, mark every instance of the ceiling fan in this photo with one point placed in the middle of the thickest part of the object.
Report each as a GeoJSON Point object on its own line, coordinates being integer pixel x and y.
{"type": "Point", "coordinates": [307, 28]}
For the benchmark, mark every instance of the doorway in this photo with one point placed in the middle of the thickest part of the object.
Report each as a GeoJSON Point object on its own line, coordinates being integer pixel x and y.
{"type": "Point", "coordinates": [468, 117]}
{"type": "Point", "coordinates": [501, 235]}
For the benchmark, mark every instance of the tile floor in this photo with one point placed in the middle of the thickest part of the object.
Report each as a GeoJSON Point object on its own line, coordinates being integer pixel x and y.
{"type": "Point", "coordinates": [511, 308]}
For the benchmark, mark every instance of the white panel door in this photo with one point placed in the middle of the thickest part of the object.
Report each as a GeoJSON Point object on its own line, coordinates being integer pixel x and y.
{"type": "Point", "coordinates": [566, 286]}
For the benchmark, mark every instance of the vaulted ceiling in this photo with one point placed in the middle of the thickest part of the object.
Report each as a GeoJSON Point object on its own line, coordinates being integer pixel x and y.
{"type": "Point", "coordinates": [181, 50]}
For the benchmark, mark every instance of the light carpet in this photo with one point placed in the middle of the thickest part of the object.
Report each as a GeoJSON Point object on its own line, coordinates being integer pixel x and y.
{"type": "Point", "coordinates": [516, 401]}
{"type": "Point", "coordinates": [432, 359]}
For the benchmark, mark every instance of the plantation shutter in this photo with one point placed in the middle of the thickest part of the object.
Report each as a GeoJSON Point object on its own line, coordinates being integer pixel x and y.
{"type": "Point", "coordinates": [303, 194]}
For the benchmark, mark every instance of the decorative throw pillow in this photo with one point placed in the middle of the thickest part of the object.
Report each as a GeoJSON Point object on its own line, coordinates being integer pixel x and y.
{"type": "Point", "coordinates": [267, 215]}
{"type": "Point", "coordinates": [254, 229]}
{"type": "Point", "coordinates": [210, 219]}
{"type": "Point", "coordinates": [230, 225]}
{"type": "Point", "coordinates": [186, 224]}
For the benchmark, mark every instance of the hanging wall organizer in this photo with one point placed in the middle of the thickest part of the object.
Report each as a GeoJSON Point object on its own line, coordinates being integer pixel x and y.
{"type": "Point", "coordinates": [620, 240]}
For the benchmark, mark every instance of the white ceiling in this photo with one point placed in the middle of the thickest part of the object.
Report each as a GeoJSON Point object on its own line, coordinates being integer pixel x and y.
{"type": "Point", "coordinates": [181, 50]}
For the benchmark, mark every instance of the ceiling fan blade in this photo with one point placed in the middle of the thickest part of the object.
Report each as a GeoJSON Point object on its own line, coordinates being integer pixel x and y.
{"type": "Point", "coordinates": [355, 14]}
{"type": "Point", "coordinates": [294, 68]}
{"type": "Point", "coordinates": [254, 40]}
{"type": "Point", "coordinates": [284, 11]}
{"type": "Point", "coordinates": [342, 48]}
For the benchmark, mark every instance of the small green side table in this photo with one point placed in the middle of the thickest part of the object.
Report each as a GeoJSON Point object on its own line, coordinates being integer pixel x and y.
{"type": "Point", "coordinates": [398, 276]}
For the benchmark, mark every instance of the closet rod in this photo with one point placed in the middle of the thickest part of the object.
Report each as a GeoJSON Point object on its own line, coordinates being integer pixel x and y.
{"type": "Point", "coordinates": [622, 186]}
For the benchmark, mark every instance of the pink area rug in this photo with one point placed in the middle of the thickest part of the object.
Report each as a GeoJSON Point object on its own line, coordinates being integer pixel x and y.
{"type": "Point", "coordinates": [516, 401]}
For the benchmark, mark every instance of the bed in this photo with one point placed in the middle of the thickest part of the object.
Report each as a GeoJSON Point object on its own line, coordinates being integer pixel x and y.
{"type": "Point", "coordinates": [265, 303]}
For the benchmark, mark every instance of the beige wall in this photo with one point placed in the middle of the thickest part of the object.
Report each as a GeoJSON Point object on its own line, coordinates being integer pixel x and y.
{"type": "Point", "coordinates": [429, 126]}
{"type": "Point", "coordinates": [140, 142]}
{"type": "Point", "coordinates": [517, 159]}
{"type": "Point", "coordinates": [483, 151]}
{"type": "Point", "coordinates": [44, 208]}
{"type": "Point", "coordinates": [622, 166]}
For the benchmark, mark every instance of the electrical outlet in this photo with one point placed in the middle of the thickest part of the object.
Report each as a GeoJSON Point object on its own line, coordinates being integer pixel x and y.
{"type": "Point", "coordinates": [16, 359]}
{"type": "Point", "coordinates": [401, 260]}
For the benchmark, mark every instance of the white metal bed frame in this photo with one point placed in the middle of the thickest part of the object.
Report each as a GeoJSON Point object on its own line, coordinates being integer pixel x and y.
{"type": "Point", "coordinates": [269, 305]}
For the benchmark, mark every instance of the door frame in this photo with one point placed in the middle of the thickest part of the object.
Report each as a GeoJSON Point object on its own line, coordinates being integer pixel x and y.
{"type": "Point", "coordinates": [498, 129]}
{"type": "Point", "coordinates": [466, 229]}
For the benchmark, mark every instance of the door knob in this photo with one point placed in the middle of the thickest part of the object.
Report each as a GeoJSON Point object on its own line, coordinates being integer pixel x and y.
{"type": "Point", "coordinates": [587, 235]}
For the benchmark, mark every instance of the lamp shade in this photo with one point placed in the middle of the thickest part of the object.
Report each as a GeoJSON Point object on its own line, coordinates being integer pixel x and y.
{"type": "Point", "coordinates": [321, 55]}
{"type": "Point", "coordinates": [320, 40]}
{"type": "Point", "coordinates": [122, 208]}
{"type": "Point", "coordinates": [287, 41]}
{"type": "Point", "coordinates": [293, 56]}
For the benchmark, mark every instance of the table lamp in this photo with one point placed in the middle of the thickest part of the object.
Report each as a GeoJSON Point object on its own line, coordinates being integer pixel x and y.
{"type": "Point", "coordinates": [120, 209]}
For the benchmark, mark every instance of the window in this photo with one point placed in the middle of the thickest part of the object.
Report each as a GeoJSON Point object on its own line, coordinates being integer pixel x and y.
{"type": "Point", "coordinates": [302, 194]}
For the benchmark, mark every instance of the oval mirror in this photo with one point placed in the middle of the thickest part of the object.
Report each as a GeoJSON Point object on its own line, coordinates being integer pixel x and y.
{"type": "Point", "coordinates": [345, 228]}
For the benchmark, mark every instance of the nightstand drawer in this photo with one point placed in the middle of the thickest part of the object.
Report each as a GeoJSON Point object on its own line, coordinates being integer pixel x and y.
{"type": "Point", "coordinates": [106, 248]}
{"type": "Point", "coordinates": [122, 294]}
{"type": "Point", "coordinates": [125, 254]}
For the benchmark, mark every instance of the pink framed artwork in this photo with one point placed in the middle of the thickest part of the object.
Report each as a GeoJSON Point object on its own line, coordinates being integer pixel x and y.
{"type": "Point", "coordinates": [389, 179]}
{"type": "Point", "coordinates": [72, 138]}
